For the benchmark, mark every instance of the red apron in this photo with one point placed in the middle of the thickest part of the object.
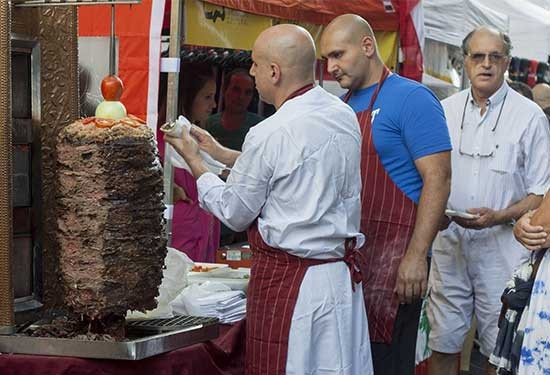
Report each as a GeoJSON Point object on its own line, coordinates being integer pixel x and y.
{"type": "Point", "coordinates": [275, 280]}
{"type": "Point", "coordinates": [387, 221]}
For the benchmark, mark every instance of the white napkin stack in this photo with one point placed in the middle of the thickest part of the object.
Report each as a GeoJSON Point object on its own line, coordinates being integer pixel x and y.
{"type": "Point", "coordinates": [212, 299]}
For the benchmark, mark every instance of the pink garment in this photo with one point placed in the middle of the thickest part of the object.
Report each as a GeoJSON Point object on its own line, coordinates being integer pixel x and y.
{"type": "Point", "coordinates": [195, 231]}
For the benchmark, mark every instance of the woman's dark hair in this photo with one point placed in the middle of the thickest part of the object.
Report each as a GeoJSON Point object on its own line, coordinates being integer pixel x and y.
{"type": "Point", "coordinates": [193, 77]}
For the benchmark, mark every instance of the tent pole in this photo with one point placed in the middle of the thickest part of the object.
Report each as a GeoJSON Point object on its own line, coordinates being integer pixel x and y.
{"type": "Point", "coordinates": [7, 317]}
{"type": "Point", "coordinates": [176, 37]}
{"type": "Point", "coordinates": [112, 51]}
{"type": "Point", "coordinates": [321, 67]}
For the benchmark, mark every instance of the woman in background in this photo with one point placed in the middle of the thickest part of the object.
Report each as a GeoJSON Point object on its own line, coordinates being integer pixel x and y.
{"type": "Point", "coordinates": [194, 231]}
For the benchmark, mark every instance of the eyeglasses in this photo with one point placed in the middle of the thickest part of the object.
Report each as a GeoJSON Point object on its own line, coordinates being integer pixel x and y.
{"type": "Point", "coordinates": [479, 57]}
{"type": "Point", "coordinates": [479, 154]}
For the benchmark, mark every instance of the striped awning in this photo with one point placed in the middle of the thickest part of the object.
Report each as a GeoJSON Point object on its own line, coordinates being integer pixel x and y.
{"type": "Point", "coordinates": [36, 3]}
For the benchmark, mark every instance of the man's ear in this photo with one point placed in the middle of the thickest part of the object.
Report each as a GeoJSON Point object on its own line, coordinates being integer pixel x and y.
{"type": "Point", "coordinates": [275, 73]}
{"type": "Point", "coordinates": [368, 45]}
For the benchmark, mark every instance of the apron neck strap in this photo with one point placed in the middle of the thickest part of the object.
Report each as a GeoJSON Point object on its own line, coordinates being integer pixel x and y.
{"type": "Point", "coordinates": [383, 76]}
{"type": "Point", "coordinates": [300, 91]}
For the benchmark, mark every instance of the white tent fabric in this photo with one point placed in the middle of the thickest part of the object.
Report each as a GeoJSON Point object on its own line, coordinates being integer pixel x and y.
{"type": "Point", "coordinates": [449, 21]}
{"type": "Point", "coordinates": [543, 3]}
{"type": "Point", "coordinates": [529, 27]}
{"type": "Point", "coordinates": [527, 22]}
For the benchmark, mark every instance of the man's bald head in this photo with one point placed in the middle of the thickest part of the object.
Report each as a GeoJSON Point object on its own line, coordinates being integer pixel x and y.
{"type": "Point", "coordinates": [289, 46]}
{"type": "Point", "coordinates": [541, 95]}
{"type": "Point", "coordinates": [349, 48]}
{"type": "Point", "coordinates": [350, 27]}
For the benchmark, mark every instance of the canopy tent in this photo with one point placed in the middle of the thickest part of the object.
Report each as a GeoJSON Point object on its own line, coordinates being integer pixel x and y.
{"type": "Point", "coordinates": [402, 15]}
{"type": "Point", "coordinates": [449, 21]}
{"type": "Point", "coordinates": [543, 3]}
{"type": "Point", "coordinates": [527, 23]}
{"type": "Point", "coordinates": [529, 27]}
{"type": "Point", "coordinates": [382, 15]}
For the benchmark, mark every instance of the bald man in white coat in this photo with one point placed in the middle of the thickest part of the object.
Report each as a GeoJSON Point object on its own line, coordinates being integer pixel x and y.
{"type": "Point", "coordinates": [296, 187]}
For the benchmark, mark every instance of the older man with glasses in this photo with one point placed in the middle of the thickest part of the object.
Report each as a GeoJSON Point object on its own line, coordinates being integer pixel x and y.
{"type": "Point", "coordinates": [501, 170]}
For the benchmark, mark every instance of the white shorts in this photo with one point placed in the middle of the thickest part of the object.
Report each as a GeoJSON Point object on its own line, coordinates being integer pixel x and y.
{"type": "Point", "coordinates": [468, 275]}
{"type": "Point", "coordinates": [329, 333]}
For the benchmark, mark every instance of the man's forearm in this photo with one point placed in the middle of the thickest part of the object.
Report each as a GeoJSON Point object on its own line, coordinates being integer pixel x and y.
{"type": "Point", "coordinates": [431, 207]}
{"type": "Point", "coordinates": [198, 166]}
{"type": "Point", "coordinates": [518, 209]}
{"type": "Point", "coordinates": [227, 156]}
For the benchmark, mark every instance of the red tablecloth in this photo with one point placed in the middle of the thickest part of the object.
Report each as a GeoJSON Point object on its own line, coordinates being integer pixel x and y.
{"type": "Point", "coordinates": [222, 356]}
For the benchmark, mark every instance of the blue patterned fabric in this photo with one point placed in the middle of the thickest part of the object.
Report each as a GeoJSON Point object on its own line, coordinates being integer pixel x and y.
{"type": "Point", "coordinates": [535, 351]}
{"type": "Point", "coordinates": [505, 356]}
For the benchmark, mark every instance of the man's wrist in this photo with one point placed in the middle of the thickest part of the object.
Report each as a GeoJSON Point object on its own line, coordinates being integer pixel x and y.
{"type": "Point", "coordinates": [502, 217]}
{"type": "Point", "coordinates": [198, 166]}
{"type": "Point", "coordinates": [417, 253]}
{"type": "Point", "coordinates": [228, 156]}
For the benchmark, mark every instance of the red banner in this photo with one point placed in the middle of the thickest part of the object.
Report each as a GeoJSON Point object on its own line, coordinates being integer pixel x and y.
{"type": "Point", "coordinates": [382, 15]}
{"type": "Point", "coordinates": [388, 15]}
{"type": "Point", "coordinates": [132, 30]}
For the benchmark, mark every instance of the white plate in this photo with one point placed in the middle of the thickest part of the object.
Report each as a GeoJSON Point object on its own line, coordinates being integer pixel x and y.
{"type": "Point", "coordinates": [462, 214]}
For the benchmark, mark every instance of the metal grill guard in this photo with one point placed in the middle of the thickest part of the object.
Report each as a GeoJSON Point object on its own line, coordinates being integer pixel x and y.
{"type": "Point", "coordinates": [6, 291]}
{"type": "Point", "coordinates": [170, 324]}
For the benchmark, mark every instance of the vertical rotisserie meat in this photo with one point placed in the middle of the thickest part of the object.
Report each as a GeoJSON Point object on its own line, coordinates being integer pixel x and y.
{"type": "Point", "coordinates": [110, 218]}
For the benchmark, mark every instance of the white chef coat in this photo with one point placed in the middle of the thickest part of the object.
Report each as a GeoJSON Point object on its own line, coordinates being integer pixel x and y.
{"type": "Point", "coordinates": [299, 174]}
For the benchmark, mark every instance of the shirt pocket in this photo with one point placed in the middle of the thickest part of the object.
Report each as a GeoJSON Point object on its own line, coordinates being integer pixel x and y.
{"type": "Point", "coordinates": [505, 159]}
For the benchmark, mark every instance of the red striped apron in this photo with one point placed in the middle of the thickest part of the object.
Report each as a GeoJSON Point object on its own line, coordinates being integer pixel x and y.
{"type": "Point", "coordinates": [275, 281]}
{"type": "Point", "coordinates": [387, 220]}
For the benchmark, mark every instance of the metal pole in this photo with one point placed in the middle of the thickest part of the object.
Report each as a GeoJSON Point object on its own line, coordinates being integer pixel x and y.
{"type": "Point", "coordinates": [321, 65]}
{"type": "Point", "coordinates": [220, 99]}
{"type": "Point", "coordinates": [112, 47]}
{"type": "Point", "coordinates": [176, 35]}
{"type": "Point", "coordinates": [7, 316]}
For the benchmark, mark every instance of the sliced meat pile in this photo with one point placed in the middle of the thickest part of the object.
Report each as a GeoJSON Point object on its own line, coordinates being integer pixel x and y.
{"type": "Point", "coordinates": [110, 218]}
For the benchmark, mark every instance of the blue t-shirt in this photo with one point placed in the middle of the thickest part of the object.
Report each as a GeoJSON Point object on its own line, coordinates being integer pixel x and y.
{"type": "Point", "coordinates": [408, 123]}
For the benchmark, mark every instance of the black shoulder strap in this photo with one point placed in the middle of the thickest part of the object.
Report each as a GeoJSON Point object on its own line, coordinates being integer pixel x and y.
{"type": "Point", "coordinates": [536, 265]}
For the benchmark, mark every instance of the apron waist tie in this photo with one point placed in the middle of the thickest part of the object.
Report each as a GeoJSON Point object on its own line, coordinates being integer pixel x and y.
{"type": "Point", "coordinates": [352, 259]}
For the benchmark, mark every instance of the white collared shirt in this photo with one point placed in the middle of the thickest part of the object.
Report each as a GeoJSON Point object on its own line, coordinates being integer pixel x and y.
{"type": "Point", "coordinates": [519, 162]}
{"type": "Point", "coordinates": [299, 174]}
{"type": "Point", "coordinates": [520, 146]}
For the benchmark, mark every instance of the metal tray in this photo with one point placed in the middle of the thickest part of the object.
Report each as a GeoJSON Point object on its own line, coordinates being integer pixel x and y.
{"type": "Point", "coordinates": [141, 345]}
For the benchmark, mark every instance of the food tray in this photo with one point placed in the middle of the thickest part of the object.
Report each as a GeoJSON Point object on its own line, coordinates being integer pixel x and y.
{"type": "Point", "coordinates": [142, 342]}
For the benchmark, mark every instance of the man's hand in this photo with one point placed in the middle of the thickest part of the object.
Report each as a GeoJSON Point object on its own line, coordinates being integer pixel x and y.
{"type": "Point", "coordinates": [186, 146]}
{"type": "Point", "coordinates": [487, 218]}
{"type": "Point", "coordinates": [181, 195]}
{"type": "Point", "coordinates": [206, 142]}
{"type": "Point", "coordinates": [444, 222]}
{"type": "Point", "coordinates": [532, 237]}
{"type": "Point", "coordinates": [412, 278]}
{"type": "Point", "coordinates": [212, 147]}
